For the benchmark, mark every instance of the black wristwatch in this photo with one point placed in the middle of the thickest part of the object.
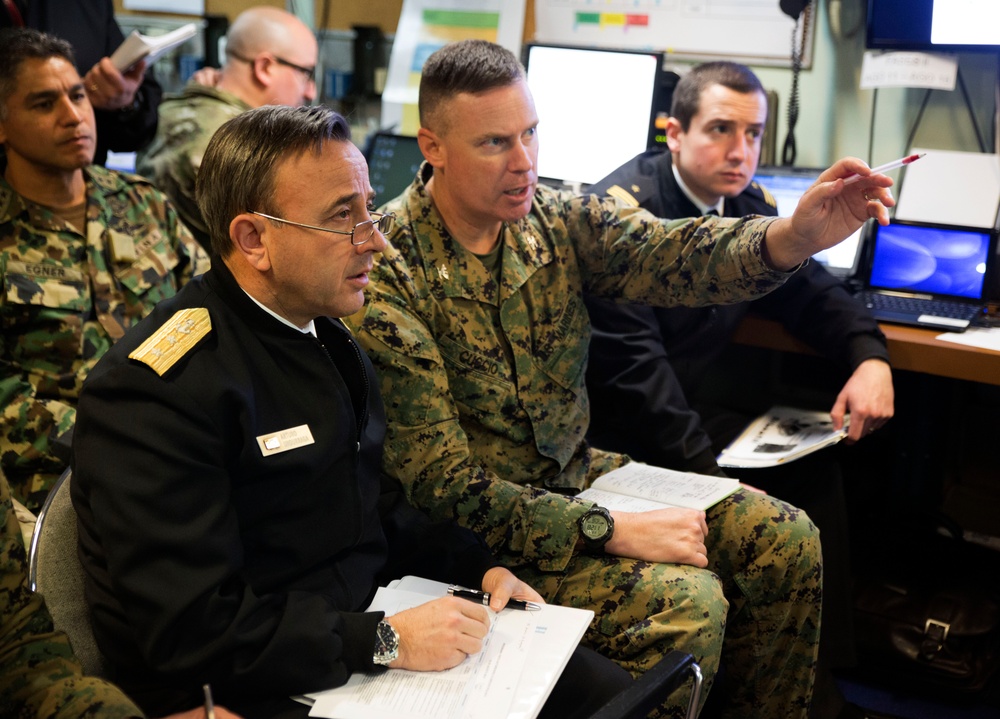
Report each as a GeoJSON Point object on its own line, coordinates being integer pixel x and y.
{"type": "Point", "coordinates": [596, 528]}
{"type": "Point", "coordinates": [386, 644]}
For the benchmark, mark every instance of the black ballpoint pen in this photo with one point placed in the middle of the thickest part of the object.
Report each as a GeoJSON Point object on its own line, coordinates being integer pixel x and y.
{"type": "Point", "coordinates": [474, 595]}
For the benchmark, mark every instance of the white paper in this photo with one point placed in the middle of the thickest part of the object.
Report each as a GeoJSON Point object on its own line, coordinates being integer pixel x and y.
{"type": "Point", "coordinates": [510, 678]}
{"type": "Point", "coordinates": [181, 7]}
{"type": "Point", "coordinates": [639, 487]}
{"type": "Point", "coordinates": [138, 46]}
{"type": "Point", "coordinates": [982, 337]}
{"type": "Point", "coordinates": [950, 188]}
{"type": "Point", "coordinates": [908, 69]}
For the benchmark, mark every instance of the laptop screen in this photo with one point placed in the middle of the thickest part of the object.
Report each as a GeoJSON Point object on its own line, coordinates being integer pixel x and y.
{"type": "Point", "coordinates": [930, 259]}
{"type": "Point", "coordinates": [393, 161]}
{"type": "Point", "coordinates": [788, 184]}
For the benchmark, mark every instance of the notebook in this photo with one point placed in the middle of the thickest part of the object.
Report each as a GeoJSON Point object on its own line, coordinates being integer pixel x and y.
{"type": "Point", "coordinates": [927, 274]}
{"type": "Point", "coordinates": [393, 161]}
{"type": "Point", "coordinates": [787, 185]}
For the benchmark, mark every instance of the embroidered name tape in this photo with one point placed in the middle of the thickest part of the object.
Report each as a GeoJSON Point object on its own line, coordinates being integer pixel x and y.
{"type": "Point", "coordinates": [284, 440]}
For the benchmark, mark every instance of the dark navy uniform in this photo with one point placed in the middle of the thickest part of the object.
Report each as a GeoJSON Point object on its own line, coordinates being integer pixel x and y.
{"type": "Point", "coordinates": [646, 363]}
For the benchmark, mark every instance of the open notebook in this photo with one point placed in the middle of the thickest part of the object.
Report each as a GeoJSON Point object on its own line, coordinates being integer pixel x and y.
{"type": "Point", "coordinates": [928, 275]}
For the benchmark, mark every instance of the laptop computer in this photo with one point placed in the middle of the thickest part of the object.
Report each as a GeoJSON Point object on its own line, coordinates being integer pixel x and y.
{"type": "Point", "coordinates": [928, 275]}
{"type": "Point", "coordinates": [393, 161]}
{"type": "Point", "coordinates": [787, 185]}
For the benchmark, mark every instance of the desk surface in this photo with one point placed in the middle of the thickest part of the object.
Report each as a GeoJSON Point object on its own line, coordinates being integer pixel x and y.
{"type": "Point", "coordinates": [910, 348]}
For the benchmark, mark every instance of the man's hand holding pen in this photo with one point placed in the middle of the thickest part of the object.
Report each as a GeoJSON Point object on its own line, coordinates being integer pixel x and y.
{"type": "Point", "coordinates": [443, 632]}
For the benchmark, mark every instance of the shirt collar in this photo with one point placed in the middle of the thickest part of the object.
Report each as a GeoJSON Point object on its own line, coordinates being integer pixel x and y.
{"type": "Point", "coordinates": [702, 207]}
{"type": "Point", "coordinates": [309, 329]}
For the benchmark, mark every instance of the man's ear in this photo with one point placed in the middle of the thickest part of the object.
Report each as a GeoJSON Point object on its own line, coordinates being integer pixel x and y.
{"type": "Point", "coordinates": [261, 68]}
{"type": "Point", "coordinates": [674, 131]}
{"type": "Point", "coordinates": [249, 235]}
{"type": "Point", "coordinates": [431, 147]}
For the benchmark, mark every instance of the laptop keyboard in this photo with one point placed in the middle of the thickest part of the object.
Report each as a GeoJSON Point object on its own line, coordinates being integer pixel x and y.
{"type": "Point", "coordinates": [917, 307]}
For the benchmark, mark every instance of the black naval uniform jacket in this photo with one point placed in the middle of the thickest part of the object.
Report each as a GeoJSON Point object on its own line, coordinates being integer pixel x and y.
{"type": "Point", "coordinates": [210, 560]}
{"type": "Point", "coordinates": [645, 362]}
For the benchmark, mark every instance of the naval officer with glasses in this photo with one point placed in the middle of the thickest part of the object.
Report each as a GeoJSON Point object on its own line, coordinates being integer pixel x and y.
{"type": "Point", "coordinates": [234, 517]}
{"type": "Point", "coordinates": [270, 60]}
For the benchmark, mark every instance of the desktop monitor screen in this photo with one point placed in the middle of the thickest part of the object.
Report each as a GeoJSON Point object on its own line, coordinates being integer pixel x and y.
{"type": "Point", "coordinates": [788, 184]}
{"type": "Point", "coordinates": [934, 25]}
{"type": "Point", "coordinates": [595, 108]}
{"type": "Point", "coordinates": [393, 161]}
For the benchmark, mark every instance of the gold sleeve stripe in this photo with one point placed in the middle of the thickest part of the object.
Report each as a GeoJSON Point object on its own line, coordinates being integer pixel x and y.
{"type": "Point", "coordinates": [174, 339]}
{"type": "Point", "coordinates": [624, 195]}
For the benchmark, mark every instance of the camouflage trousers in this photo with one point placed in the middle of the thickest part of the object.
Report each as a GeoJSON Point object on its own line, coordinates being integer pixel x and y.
{"type": "Point", "coordinates": [29, 429]}
{"type": "Point", "coordinates": [757, 608]}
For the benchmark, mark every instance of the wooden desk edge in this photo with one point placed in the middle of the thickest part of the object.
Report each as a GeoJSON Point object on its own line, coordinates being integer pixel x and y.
{"type": "Point", "coordinates": [910, 348]}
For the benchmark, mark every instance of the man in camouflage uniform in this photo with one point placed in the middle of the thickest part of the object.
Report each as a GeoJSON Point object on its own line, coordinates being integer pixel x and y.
{"type": "Point", "coordinates": [270, 60]}
{"type": "Point", "coordinates": [84, 254]}
{"type": "Point", "coordinates": [477, 328]}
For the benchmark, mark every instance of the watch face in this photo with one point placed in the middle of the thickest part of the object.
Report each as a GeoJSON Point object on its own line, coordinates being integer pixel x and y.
{"type": "Point", "coordinates": [594, 526]}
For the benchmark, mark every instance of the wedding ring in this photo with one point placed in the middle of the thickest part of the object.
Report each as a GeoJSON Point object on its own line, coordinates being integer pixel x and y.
{"type": "Point", "coordinates": [867, 197]}
{"type": "Point", "coordinates": [93, 87]}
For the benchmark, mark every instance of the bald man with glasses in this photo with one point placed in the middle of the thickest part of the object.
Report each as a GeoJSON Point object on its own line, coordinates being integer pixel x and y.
{"type": "Point", "coordinates": [270, 60]}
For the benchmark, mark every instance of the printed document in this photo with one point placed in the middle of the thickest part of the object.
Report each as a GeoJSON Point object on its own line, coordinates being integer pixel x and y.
{"type": "Point", "coordinates": [639, 487]}
{"type": "Point", "coordinates": [782, 434]}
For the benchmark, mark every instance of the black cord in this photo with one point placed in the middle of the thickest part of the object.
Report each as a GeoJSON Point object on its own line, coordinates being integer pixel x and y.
{"type": "Point", "coordinates": [916, 122]}
{"type": "Point", "coordinates": [788, 149]}
{"type": "Point", "coordinates": [972, 112]}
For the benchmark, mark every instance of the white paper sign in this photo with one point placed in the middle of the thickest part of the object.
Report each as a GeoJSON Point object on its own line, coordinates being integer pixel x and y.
{"type": "Point", "coordinates": [909, 69]}
{"type": "Point", "coordinates": [179, 7]}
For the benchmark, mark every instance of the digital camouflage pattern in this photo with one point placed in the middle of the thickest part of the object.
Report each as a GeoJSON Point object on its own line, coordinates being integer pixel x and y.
{"type": "Point", "coordinates": [187, 122]}
{"type": "Point", "coordinates": [66, 299]}
{"type": "Point", "coordinates": [39, 676]}
{"type": "Point", "coordinates": [487, 406]}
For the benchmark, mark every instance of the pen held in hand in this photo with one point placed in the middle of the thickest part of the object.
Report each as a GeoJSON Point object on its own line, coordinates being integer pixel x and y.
{"type": "Point", "coordinates": [209, 704]}
{"type": "Point", "coordinates": [886, 167]}
{"type": "Point", "coordinates": [474, 595]}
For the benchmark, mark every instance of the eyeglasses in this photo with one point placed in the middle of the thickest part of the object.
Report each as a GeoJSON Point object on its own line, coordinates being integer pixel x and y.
{"type": "Point", "coordinates": [362, 232]}
{"type": "Point", "coordinates": [308, 72]}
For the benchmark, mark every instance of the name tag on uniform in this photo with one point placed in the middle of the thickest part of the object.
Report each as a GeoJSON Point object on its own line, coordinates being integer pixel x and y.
{"type": "Point", "coordinates": [284, 440]}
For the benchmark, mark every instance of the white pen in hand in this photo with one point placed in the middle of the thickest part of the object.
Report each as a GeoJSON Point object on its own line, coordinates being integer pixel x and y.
{"type": "Point", "coordinates": [886, 167]}
{"type": "Point", "coordinates": [474, 595]}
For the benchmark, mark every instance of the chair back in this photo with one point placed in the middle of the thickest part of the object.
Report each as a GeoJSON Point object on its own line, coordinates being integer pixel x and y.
{"type": "Point", "coordinates": [653, 687]}
{"type": "Point", "coordinates": [55, 572]}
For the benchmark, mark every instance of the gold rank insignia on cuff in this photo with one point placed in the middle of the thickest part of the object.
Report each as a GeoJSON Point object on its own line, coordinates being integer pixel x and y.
{"type": "Point", "coordinates": [620, 193]}
{"type": "Point", "coordinates": [174, 339]}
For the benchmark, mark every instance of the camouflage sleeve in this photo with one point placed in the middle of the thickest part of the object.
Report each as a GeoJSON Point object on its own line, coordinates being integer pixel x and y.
{"type": "Point", "coordinates": [643, 259]}
{"type": "Point", "coordinates": [39, 676]}
{"type": "Point", "coordinates": [427, 449]}
{"type": "Point", "coordinates": [197, 260]}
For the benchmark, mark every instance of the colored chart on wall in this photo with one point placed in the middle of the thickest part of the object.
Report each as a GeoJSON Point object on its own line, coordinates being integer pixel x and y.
{"type": "Point", "coordinates": [425, 26]}
{"type": "Point", "coordinates": [754, 31]}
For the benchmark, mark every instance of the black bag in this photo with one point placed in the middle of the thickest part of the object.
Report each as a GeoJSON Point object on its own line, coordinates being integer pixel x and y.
{"type": "Point", "coordinates": [929, 639]}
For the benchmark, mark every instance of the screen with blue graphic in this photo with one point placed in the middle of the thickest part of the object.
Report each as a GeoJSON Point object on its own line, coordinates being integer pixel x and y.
{"type": "Point", "coordinates": [932, 259]}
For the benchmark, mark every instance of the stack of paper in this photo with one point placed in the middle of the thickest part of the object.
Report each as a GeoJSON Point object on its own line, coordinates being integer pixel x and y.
{"type": "Point", "coordinates": [149, 47]}
{"type": "Point", "coordinates": [513, 675]}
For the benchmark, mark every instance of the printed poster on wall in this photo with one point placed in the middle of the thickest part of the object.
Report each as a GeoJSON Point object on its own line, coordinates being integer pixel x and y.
{"type": "Point", "coordinates": [426, 25]}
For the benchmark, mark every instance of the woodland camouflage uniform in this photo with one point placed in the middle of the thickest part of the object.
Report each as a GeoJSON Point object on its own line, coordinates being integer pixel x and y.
{"type": "Point", "coordinates": [66, 299]}
{"type": "Point", "coordinates": [484, 390]}
{"type": "Point", "coordinates": [187, 122]}
{"type": "Point", "coordinates": [39, 676]}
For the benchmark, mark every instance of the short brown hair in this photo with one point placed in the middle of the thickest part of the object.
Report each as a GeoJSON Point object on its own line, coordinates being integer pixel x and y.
{"type": "Point", "coordinates": [471, 66]}
{"type": "Point", "coordinates": [687, 93]}
{"type": "Point", "coordinates": [237, 172]}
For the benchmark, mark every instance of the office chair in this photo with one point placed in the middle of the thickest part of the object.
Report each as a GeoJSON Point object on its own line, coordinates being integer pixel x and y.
{"type": "Point", "coordinates": [653, 687]}
{"type": "Point", "coordinates": [55, 572]}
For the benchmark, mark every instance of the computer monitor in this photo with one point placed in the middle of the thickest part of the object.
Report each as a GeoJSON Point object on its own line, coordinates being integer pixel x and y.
{"type": "Point", "coordinates": [595, 108]}
{"type": "Point", "coordinates": [393, 161]}
{"type": "Point", "coordinates": [933, 25]}
{"type": "Point", "coordinates": [788, 184]}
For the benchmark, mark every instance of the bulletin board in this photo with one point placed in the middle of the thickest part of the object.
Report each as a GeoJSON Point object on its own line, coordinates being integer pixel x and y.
{"type": "Point", "coordinates": [752, 31]}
